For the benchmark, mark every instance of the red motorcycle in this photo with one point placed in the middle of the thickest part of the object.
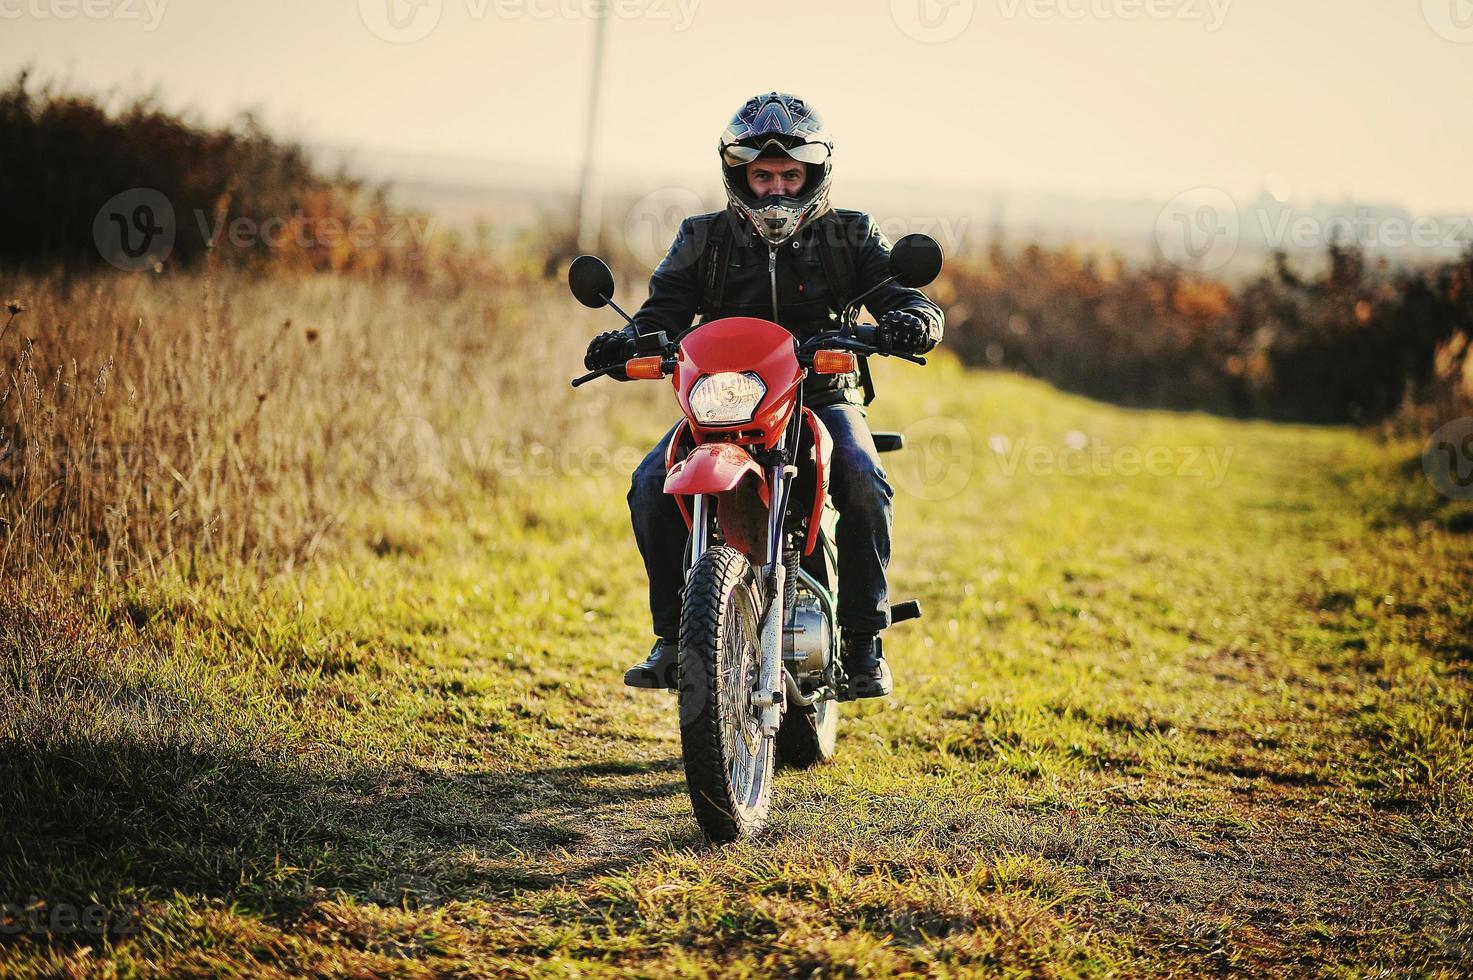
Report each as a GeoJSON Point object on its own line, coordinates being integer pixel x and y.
{"type": "Point", "coordinates": [760, 674]}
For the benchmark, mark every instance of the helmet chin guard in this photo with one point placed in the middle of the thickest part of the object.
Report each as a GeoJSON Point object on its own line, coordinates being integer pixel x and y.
{"type": "Point", "coordinates": [777, 124]}
{"type": "Point", "coordinates": [776, 219]}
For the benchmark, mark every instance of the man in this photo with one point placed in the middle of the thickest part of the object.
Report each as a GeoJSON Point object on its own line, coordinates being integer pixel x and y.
{"type": "Point", "coordinates": [779, 242]}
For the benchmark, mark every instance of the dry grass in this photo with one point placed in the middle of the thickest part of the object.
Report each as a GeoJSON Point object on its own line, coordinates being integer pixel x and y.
{"type": "Point", "coordinates": [185, 418]}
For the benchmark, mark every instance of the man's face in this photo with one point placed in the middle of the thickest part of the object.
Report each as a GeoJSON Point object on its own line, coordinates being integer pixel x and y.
{"type": "Point", "coordinates": [776, 175]}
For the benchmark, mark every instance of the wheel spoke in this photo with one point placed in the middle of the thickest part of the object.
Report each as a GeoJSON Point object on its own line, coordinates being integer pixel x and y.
{"type": "Point", "coordinates": [743, 734]}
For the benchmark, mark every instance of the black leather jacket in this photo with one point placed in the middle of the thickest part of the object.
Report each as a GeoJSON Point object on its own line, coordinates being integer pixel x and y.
{"type": "Point", "coordinates": [806, 304]}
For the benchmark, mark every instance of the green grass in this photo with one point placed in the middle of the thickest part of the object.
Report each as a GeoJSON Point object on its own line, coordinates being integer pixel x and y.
{"type": "Point", "coordinates": [1178, 723]}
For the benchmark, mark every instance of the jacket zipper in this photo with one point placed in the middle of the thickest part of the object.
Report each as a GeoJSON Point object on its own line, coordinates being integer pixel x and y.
{"type": "Point", "coordinates": [772, 277]}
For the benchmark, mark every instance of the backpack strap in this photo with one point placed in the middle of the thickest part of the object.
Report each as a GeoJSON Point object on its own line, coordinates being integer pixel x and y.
{"type": "Point", "coordinates": [712, 266]}
{"type": "Point", "coordinates": [836, 253]}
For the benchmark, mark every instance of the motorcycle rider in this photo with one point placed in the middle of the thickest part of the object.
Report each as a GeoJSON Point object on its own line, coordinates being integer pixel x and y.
{"type": "Point", "coordinates": [776, 165]}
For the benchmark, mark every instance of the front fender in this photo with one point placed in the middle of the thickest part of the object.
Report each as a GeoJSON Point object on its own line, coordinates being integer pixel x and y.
{"type": "Point", "coordinates": [715, 467]}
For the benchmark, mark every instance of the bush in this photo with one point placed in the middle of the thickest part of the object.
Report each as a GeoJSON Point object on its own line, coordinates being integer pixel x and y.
{"type": "Point", "coordinates": [1355, 344]}
{"type": "Point", "coordinates": [66, 156]}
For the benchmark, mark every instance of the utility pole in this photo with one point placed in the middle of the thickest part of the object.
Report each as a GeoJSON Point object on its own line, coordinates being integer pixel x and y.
{"type": "Point", "coordinates": [588, 199]}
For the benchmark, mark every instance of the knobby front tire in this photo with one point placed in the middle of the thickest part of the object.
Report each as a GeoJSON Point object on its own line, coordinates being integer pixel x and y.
{"type": "Point", "coordinates": [728, 762]}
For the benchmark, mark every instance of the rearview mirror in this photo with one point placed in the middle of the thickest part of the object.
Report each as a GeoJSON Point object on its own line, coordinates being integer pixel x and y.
{"type": "Point", "coordinates": [591, 281]}
{"type": "Point", "coordinates": [915, 261]}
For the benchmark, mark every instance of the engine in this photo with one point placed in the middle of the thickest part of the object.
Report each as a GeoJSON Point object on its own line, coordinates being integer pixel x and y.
{"type": "Point", "coordinates": [807, 637]}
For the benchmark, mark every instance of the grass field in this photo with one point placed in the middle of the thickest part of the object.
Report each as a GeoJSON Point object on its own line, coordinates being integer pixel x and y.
{"type": "Point", "coordinates": [1208, 718]}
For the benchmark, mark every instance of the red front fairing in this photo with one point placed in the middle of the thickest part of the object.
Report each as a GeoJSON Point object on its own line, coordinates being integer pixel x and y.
{"type": "Point", "coordinates": [709, 459]}
{"type": "Point", "coordinates": [741, 344]}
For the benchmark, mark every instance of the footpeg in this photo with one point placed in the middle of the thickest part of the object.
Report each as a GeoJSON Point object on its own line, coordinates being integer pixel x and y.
{"type": "Point", "coordinates": [901, 611]}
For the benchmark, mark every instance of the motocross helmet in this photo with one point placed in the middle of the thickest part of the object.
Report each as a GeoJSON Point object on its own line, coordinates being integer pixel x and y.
{"type": "Point", "coordinates": [777, 125]}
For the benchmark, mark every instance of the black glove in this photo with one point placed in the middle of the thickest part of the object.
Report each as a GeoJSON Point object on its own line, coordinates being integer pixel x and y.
{"type": "Point", "coordinates": [903, 331]}
{"type": "Point", "coordinates": [608, 349]}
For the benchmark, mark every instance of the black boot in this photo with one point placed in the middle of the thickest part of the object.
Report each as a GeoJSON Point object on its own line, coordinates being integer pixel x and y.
{"type": "Point", "coordinates": [864, 662]}
{"type": "Point", "coordinates": [659, 670]}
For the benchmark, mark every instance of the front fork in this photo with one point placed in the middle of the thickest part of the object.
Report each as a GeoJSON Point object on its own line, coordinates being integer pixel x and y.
{"type": "Point", "coordinates": [768, 698]}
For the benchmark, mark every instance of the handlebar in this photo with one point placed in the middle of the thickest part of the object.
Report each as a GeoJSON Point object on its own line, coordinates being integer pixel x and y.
{"type": "Point", "coordinates": [862, 341]}
{"type": "Point", "coordinates": [591, 375]}
{"type": "Point", "coordinates": [667, 365]}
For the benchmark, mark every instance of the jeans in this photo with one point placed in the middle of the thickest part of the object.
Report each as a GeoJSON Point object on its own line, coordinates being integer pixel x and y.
{"type": "Point", "coordinates": [859, 490]}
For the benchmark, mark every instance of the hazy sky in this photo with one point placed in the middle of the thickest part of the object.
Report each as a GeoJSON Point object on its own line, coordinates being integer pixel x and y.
{"type": "Point", "coordinates": [1368, 98]}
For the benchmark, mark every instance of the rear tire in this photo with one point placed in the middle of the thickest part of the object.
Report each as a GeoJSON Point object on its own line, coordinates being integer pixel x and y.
{"type": "Point", "coordinates": [808, 735]}
{"type": "Point", "coordinates": [728, 762]}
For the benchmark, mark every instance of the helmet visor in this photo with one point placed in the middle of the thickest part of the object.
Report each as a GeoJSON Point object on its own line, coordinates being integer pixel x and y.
{"type": "Point", "coordinates": [737, 154]}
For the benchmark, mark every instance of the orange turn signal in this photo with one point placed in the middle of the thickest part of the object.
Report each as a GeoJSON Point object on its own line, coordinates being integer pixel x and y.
{"type": "Point", "coordinates": [645, 368]}
{"type": "Point", "coordinates": [833, 362]}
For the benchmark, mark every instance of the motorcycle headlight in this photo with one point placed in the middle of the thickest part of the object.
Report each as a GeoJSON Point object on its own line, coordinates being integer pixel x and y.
{"type": "Point", "coordinates": [725, 398]}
